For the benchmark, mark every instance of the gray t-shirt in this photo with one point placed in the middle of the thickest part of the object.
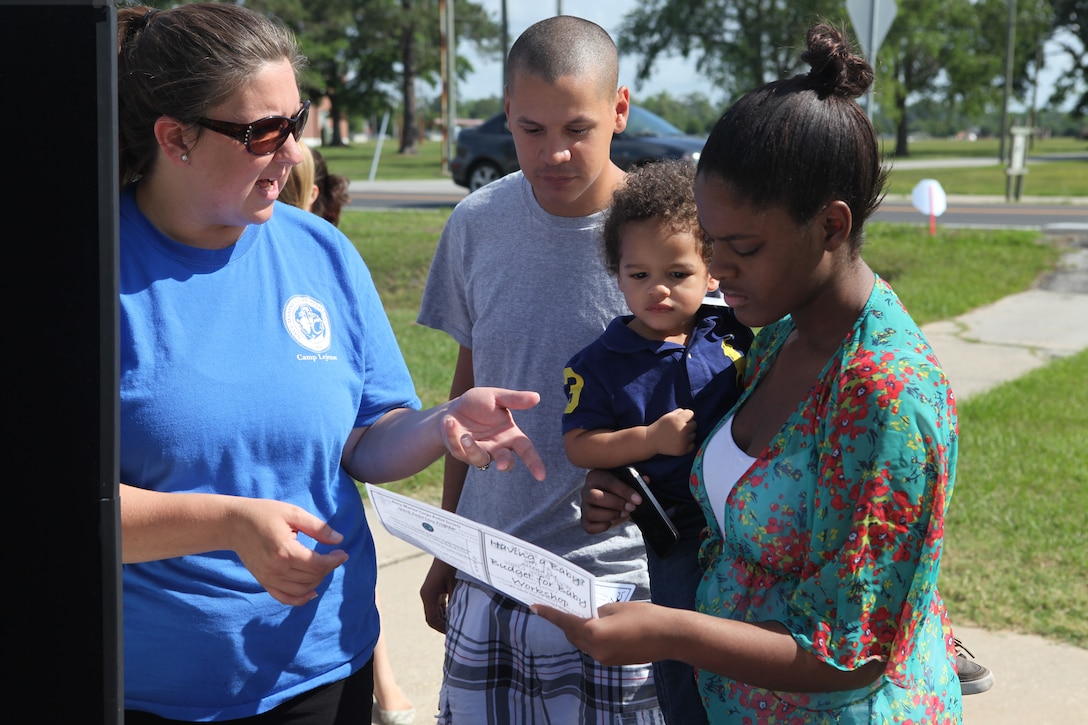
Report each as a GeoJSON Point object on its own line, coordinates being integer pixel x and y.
{"type": "Point", "coordinates": [525, 290]}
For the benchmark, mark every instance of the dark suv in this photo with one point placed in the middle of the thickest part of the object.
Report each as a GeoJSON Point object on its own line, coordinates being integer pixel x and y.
{"type": "Point", "coordinates": [486, 152]}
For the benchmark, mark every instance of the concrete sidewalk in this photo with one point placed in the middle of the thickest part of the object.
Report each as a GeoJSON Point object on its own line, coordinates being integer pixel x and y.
{"type": "Point", "coordinates": [1036, 681]}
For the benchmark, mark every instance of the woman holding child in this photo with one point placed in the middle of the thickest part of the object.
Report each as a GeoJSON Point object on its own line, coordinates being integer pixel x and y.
{"type": "Point", "coordinates": [825, 487]}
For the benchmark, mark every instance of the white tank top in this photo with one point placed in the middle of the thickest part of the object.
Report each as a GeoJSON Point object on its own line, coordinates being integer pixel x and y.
{"type": "Point", "coordinates": [723, 465]}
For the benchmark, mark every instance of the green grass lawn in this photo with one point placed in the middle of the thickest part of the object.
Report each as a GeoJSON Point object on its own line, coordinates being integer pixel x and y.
{"type": "Point", "coordinates": [1016, 552]}
{"type": "Point", "coordinates": [356, 161]}
{"type": "Point", "coordinates": [938, 148]}
{"type": "Point", "coordinates": [1016, 557]}
{"type": "Point", "coordinates": [1045, 179]}
{"type": "Point", "coordinates": [942, 276]}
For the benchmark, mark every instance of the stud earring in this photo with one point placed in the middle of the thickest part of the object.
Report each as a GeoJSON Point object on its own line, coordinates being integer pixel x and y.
{"type": "Point", "coordinates": [185, 158]}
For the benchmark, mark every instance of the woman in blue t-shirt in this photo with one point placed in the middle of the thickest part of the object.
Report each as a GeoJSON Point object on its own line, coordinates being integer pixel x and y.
{"type": "Point", "coordinates": [259, 379]}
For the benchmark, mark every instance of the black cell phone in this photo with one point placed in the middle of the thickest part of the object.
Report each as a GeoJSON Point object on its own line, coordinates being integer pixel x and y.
{"type": "Point", "coordinates": [657, 528]}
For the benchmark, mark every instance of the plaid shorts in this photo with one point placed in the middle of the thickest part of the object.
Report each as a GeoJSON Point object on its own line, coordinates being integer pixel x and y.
{"type": "Point", "coordinates": [506, 666]}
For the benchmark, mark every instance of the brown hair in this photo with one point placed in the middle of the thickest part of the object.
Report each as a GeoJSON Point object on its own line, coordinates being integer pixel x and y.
{"type": "Point", "coordinates": [183, 61]}
{"type": "Point", "coordinates": [332, 190]}
{"type": "Point", "coordinates": [659, 190]}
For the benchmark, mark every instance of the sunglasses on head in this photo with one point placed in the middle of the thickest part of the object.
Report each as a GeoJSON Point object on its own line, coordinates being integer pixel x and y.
{"type": "Point", "coordinates": [265, 136]}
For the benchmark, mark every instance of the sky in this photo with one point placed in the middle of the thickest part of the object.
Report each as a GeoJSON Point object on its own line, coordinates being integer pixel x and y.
{"type": "Point", "coordinates": [675, 75]}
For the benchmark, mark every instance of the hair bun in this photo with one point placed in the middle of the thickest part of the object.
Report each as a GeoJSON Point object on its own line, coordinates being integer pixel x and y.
{"type": "Point", "coordinates": [835, 69]}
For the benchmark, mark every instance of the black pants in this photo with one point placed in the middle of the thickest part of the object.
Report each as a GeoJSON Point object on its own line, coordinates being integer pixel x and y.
{"type": "Point", "coordinates": [347, 702]}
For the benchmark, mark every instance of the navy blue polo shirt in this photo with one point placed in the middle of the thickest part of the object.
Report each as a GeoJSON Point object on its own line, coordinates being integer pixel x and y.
{"type": "Point", "coordinates": [622, 380]}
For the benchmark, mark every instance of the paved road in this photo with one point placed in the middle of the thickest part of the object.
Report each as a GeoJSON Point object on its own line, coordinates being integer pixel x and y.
{"type": "Point", "coordinates": [1030, 212]}
{"type": "Point", "coordinates": [979, 161]}
{"type": "Point", "coordinates": [990, 213]}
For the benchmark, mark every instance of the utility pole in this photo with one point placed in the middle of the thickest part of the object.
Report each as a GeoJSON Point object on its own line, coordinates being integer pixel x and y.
{"type": "Point", "coordinates": [505, 50]}
{"type": "Point", "coordinates": [451, 65]}
{"type": "Point", "coordinates": [1008, 79]}
{"type": "Point", "coordinates": [1035, 90]}
{"type": "Point", "coordinates": [448, 62]}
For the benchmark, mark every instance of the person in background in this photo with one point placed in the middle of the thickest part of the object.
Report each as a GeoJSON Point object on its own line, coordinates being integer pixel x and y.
{"type": "Point", "coordinates": [304, 186]}
{"type": "Point", "coordinates": [828, 483]}
{"type": "Point", "coordinates": [394, 706]}
{"type": "Point", "coordinates": [259, 379]}
{"type": "Point", "coordinates": [518, 282]}
{"type": "Point", "coordinates": [649, 389]}
{"type": "Point", "coordinates": [310, 186]}
{"type": "Point", "coordinates": [301, 189]}
{"type": "Point", "coordinates": [332, 190]}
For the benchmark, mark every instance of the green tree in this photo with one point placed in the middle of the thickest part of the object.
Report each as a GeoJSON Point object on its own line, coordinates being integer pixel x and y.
{"type": "Point", "coordinates": [482, 108]}
{"type": "Point", "coordinates": [935, 118]}
{"type": "Point", "coordinates": [979, 77]}
{"type": "Point", "coordinates": [692, 113]}
{"type": "Point", "coordinates": [910, 62]}
{"type": "Point", "coordinates": [420, 35]}
{"type": "Point", "coordinates": [737, 44]}
{"type": "Point", "coordinates": [959, 59]}
{"type": "Point", "coordinates": [367, 55]}
{"type": "Point", "coordinates": [952, 53]}
{"type": "Point", "coordinates": [352, 57]}
{"type": "Point", "coordinates": [1070, 33]}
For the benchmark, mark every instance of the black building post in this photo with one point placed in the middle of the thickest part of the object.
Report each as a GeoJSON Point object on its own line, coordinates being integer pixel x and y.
{"type": "Point", "coordinates": [63, 571]}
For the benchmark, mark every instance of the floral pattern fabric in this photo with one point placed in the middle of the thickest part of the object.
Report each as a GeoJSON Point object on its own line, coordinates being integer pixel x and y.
{"type": "Point", "coordinates": [836, 530]}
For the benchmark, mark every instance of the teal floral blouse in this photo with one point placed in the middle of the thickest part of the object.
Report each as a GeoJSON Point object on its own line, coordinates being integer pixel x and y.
{"type": "Point", "coordinates": [836, 530]}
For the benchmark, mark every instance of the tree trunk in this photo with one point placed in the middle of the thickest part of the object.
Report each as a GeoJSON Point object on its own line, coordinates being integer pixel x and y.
{"type": "Point", "coordinates": [901, 128]}
{"type": "Point", "coordinates": [409, 130]}
{"type": "Point", "coordinates": [334, 116]}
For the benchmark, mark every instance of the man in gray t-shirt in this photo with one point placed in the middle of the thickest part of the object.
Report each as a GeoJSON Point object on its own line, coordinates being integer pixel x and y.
{"type": "Point", "coordinates": [518, 282]}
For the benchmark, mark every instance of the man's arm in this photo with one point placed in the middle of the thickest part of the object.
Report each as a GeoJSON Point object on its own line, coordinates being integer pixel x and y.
{"type": "Point", "coordinates": [453, 478]}
{"type": "Point", "coordinates": [438, 584]}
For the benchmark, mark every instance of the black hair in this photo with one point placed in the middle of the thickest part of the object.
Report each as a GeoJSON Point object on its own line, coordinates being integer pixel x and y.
{"type": "Point", "coordinates": [802, 142]}
{"type": "Point", "coordinates": [565, 45]}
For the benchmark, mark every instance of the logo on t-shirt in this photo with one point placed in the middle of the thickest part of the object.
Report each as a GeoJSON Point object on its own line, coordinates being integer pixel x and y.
{"type": "Point", "coordinates": [307, 321]}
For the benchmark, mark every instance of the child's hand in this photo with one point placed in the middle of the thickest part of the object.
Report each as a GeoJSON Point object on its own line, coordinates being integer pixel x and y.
{"type": "Point", "coordinates": [673, 434]}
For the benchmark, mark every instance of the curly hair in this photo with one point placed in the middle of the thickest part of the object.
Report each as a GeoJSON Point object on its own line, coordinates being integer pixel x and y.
{"type": "Point", "coordinates": [660, 190]}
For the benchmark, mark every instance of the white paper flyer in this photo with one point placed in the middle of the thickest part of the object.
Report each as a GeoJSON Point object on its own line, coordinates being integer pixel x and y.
{"type": "Point", "coordinates": [517, 568]}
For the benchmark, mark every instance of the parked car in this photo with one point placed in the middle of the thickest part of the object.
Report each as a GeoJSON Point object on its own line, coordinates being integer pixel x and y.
{"type": "Point", "coordinates": [486, 152]}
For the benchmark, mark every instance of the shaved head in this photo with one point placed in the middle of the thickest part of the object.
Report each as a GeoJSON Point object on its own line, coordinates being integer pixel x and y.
{"type": "Point", "coordinates": [563, 46]}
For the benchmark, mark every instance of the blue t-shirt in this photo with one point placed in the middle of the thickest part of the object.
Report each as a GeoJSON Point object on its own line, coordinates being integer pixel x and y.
{"type": "Point", "coordinates": [243, 370]}
{"type": "Point", "coordinates": [622, 380]}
